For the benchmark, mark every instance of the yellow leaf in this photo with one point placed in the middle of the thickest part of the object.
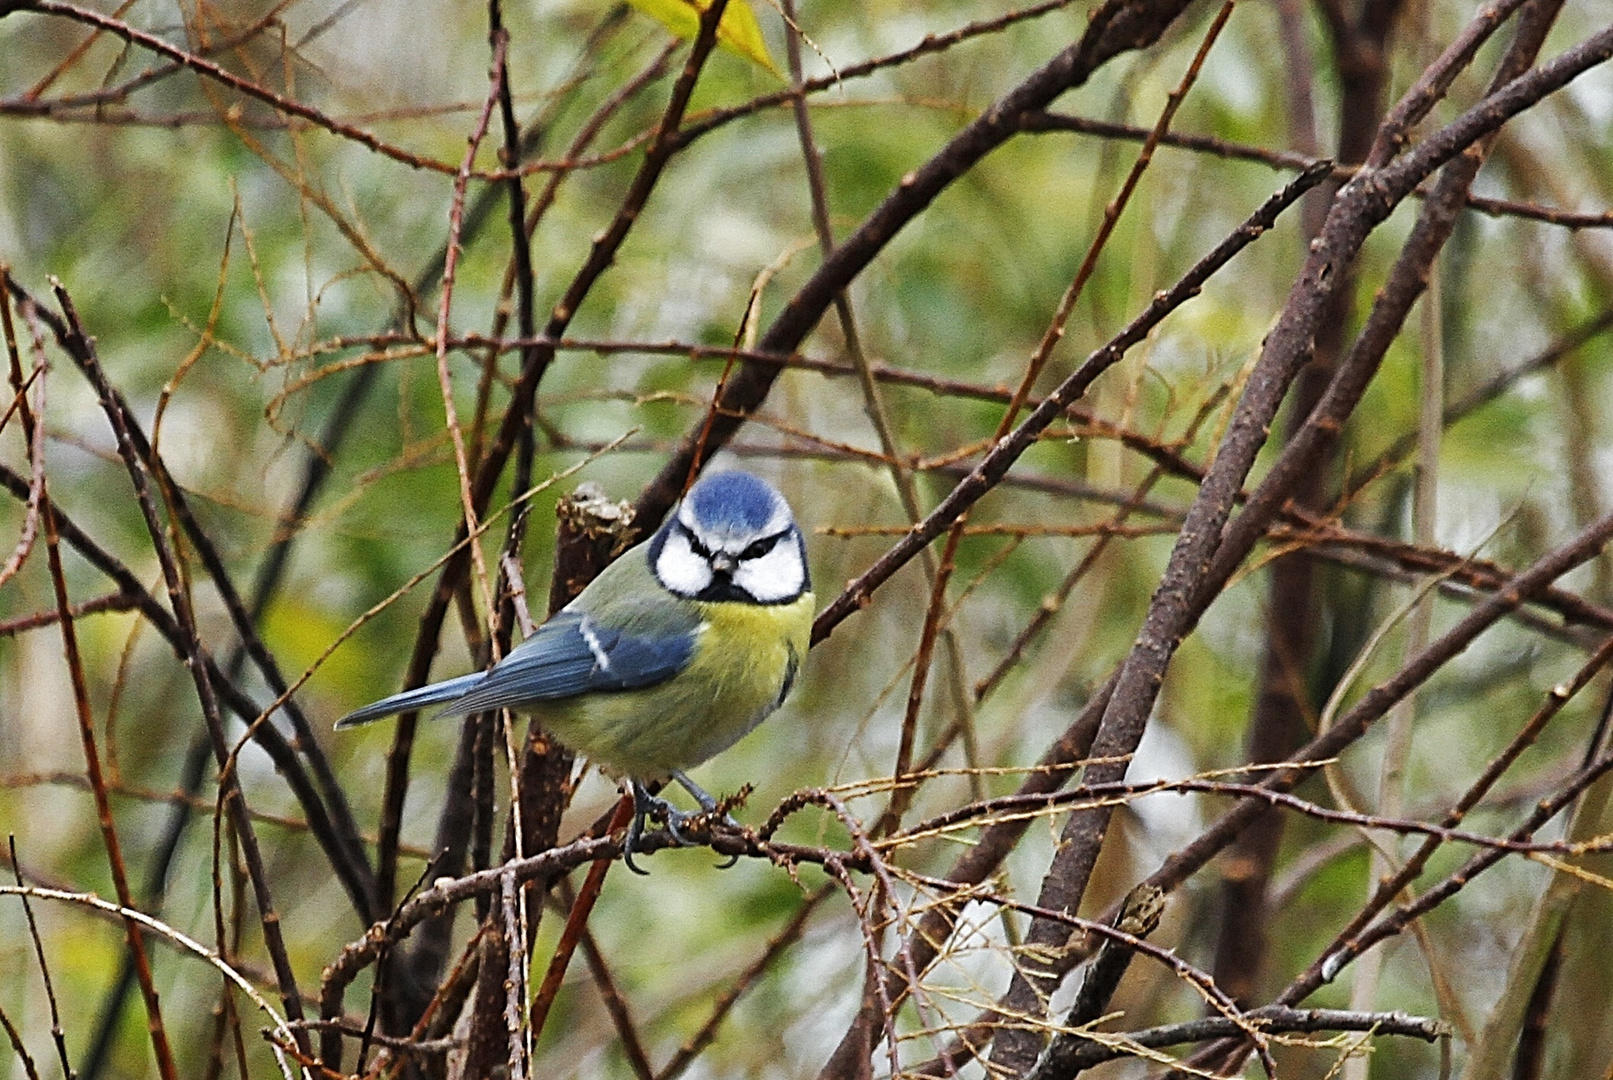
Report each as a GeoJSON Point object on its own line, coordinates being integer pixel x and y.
{"type": "Point", "coordinates": [739, 32]}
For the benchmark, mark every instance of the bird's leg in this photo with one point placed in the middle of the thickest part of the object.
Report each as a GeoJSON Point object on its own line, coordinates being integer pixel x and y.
{"type": "Point", "coordinates": [643, 804]}
{"type": "Point", "coordinates": [708, 802]}
{"type": "Point", "coordinates": [708, 805]}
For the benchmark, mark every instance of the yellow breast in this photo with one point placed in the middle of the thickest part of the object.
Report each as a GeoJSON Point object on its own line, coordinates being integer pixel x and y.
{"type": "Point", "coordinates": [743, 666]}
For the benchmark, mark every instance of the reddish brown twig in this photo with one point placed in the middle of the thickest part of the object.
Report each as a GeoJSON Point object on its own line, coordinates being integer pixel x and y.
{"type": "Point", "coordinates": [33, 427]}
{"type": "Point", "coordinates": [208, 69]}
{"type": "Point", "coordinates": [1190, 579]}
{"type": "Point", "coordinates": [996, 464]}
{"type": "Point", "coordinates": [80, 347]}
{"type": "Point", "coordinates": [576, 924]}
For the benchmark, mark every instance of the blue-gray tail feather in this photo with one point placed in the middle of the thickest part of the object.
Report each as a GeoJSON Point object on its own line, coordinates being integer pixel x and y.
{"type": "Point", "coordinates": [435, 694]}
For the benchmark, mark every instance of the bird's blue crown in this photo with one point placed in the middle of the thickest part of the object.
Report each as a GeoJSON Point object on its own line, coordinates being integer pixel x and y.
{"type": "Point", "coordinates": [733, 502]}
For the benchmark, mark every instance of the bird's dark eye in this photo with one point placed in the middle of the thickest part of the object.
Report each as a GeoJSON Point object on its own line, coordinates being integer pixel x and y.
{"type": "Point", "coordinates": [761, 547]}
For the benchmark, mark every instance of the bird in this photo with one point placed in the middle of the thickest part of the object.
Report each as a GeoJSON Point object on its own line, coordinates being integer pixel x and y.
{"type": "Point", "coordinates": [677, 650]}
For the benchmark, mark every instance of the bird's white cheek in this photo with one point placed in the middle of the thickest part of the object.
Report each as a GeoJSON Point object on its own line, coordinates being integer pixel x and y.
{"type": "Point", "coordinates": [776, 576]}
{"type": "Point", "coordinates": [680, 569]}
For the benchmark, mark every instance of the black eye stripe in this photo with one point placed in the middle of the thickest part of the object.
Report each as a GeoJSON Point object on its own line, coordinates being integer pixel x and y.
{"type": "Point", "coordinates": [756, 550]}
{"type": "Point", "coordinates": [764, 545]}
{"type": "Point", "coordinates": [760, 548]}
{"type": "Point", "coordinates": [694, 541]}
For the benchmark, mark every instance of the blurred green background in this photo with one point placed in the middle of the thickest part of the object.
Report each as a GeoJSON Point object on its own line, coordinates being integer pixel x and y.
{"type": "Point", "coordinates": [225, 257]}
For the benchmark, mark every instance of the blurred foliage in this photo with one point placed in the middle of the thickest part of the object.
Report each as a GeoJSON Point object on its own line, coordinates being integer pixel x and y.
{"type": "Point", "coordinates": [225, 256]}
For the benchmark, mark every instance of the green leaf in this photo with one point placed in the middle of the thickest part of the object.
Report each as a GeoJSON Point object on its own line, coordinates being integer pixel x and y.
{"type": "Point", "coordinates": [739, 32]}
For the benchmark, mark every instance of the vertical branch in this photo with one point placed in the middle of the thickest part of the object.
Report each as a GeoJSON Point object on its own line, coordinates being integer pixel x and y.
{"type": "Point", "coordinates": [36, 459]}
{"type": "Point", "coordinates": [82, 350]}
{"type": "Point", "coordinates": [555, 766]}
{"type": "Point", "coordinates": [58, 1036]}
{"type": "Point", "coordinates": [513, 152]}
{"type": "Point", "coordinates": [504, 617]}
{"type": "Point", "coordinates": [1115, 27]}
{"type": "Point", "coordinates": [591, 530]}
{"type": "Point", "coordinates": [1016, 1048]}
{"type": "Point", "coordinates": [29, 1069]}
{"type": "Point", "coordinates": [228, 1019]}
{"type": "Point", "coordinates": [576, 926]}
{"type": "Point", "coordinates": [444, 305]}
{"type": "Point", "coordinates": [487, 1042]}
{"type": "Point", "coordinates": [32, 426]}
{"type": "Point", "coordinates": [885, 429]}
{"type": "Point", "coordinates": [1398, 730]}
{"type": "Point", "coordinates": [518, 1045]}
{"type": "Point", "coordinates": [512, 906]}
{"type": "Point", "coordinates": [473, 770]}
{"type": "Point", "coordinates": [471, 508]}
{"type": "Point", "coordinates": [1295, 603]}
{"type": "Point", "coordinates": [601, 254]}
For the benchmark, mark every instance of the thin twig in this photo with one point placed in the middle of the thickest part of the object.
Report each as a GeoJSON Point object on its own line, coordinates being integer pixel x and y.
{"type": "Point", "coordinates": [32, 429]}
{"type": "Point", "coordinates": [184, 941]}
{"type": "Point", "coordinates": [58, 1036]}
{"type": "Point", "coordinates": [81, 348]}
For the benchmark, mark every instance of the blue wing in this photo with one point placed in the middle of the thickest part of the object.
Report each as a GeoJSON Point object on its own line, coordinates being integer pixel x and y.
{"type": "Point", "coordinates": [575, 653]}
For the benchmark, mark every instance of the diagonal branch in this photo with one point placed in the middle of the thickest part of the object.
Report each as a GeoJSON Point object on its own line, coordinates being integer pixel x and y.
{"type": "Point", "coordinates": [1115, 27]}
{"type": "Point", "coordinates": [79, 345]}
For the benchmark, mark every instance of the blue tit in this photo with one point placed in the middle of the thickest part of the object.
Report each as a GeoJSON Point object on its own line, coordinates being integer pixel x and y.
{"type": "Point", "coordinates": [673, 653]}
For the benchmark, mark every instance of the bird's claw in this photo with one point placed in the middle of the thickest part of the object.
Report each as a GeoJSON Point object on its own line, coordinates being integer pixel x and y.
{"type": "Point", "coordinates": [675, 821]}
{"type": "Point", "coordinates": [646, 806]}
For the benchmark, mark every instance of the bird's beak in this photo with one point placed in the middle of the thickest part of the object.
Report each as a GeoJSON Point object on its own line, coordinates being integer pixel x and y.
{"type": "Point", "coordinates": [723, 563]}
